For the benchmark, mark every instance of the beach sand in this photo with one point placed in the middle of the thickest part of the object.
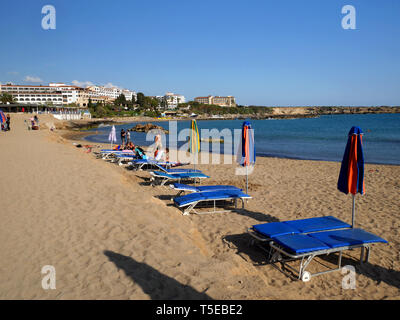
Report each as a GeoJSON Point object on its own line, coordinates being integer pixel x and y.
{"type": "Point", "coordinates": [109, 235]}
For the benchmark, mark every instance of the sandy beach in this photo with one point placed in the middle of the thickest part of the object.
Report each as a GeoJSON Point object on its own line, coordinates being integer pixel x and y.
{"type": "Point", "coordinates": [109, 235]}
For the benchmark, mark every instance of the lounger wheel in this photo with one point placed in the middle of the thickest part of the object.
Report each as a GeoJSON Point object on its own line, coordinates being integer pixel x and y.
{"type": "Point", "coordinates": [306, 276]}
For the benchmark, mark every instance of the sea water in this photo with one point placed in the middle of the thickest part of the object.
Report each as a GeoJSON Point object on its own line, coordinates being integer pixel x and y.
{"type": "Point", "coordinates": [321, 138]}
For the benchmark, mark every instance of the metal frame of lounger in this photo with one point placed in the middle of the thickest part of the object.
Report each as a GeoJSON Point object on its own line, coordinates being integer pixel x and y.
{"type": "Point", "coordinates": [306, 258]}
{"type": "Point", "coordinates": [107, 155]}
{"type": "Point", "coordinates": [191, 207]}
{"type": "Point", "coordinates": [126, 158]}
{"type": "Point", "coordinates": [164, 180]}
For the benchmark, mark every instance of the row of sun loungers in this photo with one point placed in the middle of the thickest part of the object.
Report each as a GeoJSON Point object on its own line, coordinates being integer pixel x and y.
{"type": "Point", "coordinates": [198, 197]}
{"type": "Point", "coordinates": [283, 242]}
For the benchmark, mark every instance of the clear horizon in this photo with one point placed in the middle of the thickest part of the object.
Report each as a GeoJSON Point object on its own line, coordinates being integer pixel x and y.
{"type": "Point", "coordinates": [261, 52]}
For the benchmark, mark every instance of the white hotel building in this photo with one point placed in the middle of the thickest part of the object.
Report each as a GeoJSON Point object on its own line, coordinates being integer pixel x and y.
{"type": "Point", "coordinates": [57, 94]}
{"type": "Point", "coordinates": [60, 94]}
{"type": "Point", "coordinates": [111, 93]}
{"type": "Point", "coordinates": [174, 99]}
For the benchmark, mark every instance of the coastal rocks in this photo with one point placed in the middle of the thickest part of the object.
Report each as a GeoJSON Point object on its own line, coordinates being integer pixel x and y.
{"type": "Point", "coordinates": [147, 127]}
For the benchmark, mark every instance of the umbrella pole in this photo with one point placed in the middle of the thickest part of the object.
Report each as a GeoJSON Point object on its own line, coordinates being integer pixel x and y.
{"type": "Point", "coordinates": [247, 180]}
{"type": "Point", "coordinates": [353, 211]}
{"type": "Point", "coordinates": [194, 165]}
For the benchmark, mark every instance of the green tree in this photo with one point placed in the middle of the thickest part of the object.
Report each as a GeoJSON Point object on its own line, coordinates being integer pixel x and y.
{"type": "Point", "coordinates": [140, 99]}
{"type": "Point", "coordinates": [6, 97]}
{"type": "Point", "coordinates": [90, 104]}
{"type": "Point", "coordinates": [121, 100]}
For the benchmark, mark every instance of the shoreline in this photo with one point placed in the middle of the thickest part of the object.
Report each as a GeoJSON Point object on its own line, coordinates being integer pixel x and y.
{"type": "Point", "coordinates": [80, 136]}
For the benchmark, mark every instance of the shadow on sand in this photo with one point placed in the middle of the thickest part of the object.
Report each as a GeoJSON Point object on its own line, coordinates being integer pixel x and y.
{"type": "Point", "coordinates": [157, 285]}
{"type": "Point", "coordinates": [259, 216]}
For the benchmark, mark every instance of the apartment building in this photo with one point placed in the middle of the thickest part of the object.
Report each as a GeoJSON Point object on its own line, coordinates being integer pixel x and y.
{"type": "Point", "coordinates": [173, 99]}
{"type": "Point", "coordinates": [112, 93]}
{"type": "Point", "coordinates": [228, 101]}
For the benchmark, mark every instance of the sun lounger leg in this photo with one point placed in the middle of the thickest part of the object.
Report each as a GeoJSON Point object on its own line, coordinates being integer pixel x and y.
{"type": "Point", "coordinates": [303, 274]}
{"type": "Point", "coordinates": [189, 209]}
{"type": "Point", "coordinates": [364, 255]}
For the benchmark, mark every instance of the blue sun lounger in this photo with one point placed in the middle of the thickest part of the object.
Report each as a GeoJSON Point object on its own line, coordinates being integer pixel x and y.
{"type": "Point", "coordinates": [182, 188]}
{"type": "Point", "coordinates": [194, 200]}
{"type": "Point", "coordinates": [308, 238]}
{"type": "Point", "coordinates": [140, 164]}
{"type": "Point", "coordinates": [161, 166]}
{"type": "Point", "coordinates": [123, 158]}
{"type": "Point", "coordinates": [108, 153]}
{"type": "Point", "coordinates": [164, 177]}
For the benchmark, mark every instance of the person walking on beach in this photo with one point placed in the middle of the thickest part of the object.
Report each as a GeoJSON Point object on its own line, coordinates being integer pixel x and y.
{"type": "Point", "coordinates": [123, 135]}
{"type": "Point", "coordinates": [8, 120]}
{"type": "Point", "coordinates": [128, 137]}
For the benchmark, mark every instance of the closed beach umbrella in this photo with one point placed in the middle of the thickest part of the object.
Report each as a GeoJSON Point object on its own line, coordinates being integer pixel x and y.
{"type": "Point", "coordinates": [246, 155]}
{"type": "Point", "coordinates": [351, 176]}
{"type": "Point", "coordinates": [112, 137]}
{"type": "Point", "coordinates": [2, 117]}
{"type": "Point", "coordinates": [194, 146]}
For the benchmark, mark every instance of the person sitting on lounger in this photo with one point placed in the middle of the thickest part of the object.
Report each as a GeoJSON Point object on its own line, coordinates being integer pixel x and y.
{"type": "Point", "coordinates": [130, 146]}
{"type": "Point", "coordinates": [161, 155]}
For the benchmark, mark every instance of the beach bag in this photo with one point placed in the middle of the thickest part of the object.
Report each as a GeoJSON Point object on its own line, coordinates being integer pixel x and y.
{"type": "Point", "coordinates": [140, 153]}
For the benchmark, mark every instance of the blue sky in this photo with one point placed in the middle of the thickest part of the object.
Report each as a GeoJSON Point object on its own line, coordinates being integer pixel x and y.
{"type": "Point", "coordinates": [275, 53]}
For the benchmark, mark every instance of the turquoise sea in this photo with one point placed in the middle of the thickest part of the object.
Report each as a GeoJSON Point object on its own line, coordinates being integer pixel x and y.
{"type": "Point", "coordinates": [322, 138]}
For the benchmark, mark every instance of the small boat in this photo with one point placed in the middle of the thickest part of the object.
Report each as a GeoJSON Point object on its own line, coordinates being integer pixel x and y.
{"type": "Point", "coordinates": [212, 140]}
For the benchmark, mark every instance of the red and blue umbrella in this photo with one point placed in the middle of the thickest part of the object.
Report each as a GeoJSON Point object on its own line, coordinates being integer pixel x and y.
{"type": "Point", "coordinates": [247, 151]}
{"type": "Point", "coordinates": [351, 176]}
{"type": "Point", "coordinates": [2, 117]}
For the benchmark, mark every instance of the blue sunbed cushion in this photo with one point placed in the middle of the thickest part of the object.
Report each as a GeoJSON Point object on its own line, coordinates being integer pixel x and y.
{"type": "Point", "coordinates": [274, 229]}
{"type": "Point", "coordinates": [317, 224]}
{"type": "Point", "coordinates": [180, 175]}
{"type": "Point", "coordinates": [212, 195]}
{"type": "Point", "coordinates": [182, 170]}
{"type": "Point", "coordinates": [185, 187]}
{"type": "Point", "coordinates": [127, 155]}
{"type": "Point", "coordinates": [182, 186]}
{"type": "Point", "coordinates": [348, 237]}
{"type": "Point", "coordinates": [300, 243]}
{"type": "Point", "coordinates": [140, 161]}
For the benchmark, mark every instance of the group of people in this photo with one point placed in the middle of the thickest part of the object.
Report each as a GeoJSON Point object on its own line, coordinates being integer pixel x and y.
{"type": "Point", "coordinates": [34, 123]}
{"type": "Point", "coordinates": [5, 126]}
{"type": "Point", "coordinates": [125, 137]}
{"type": "Point", "coordinates": [160, 154]}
